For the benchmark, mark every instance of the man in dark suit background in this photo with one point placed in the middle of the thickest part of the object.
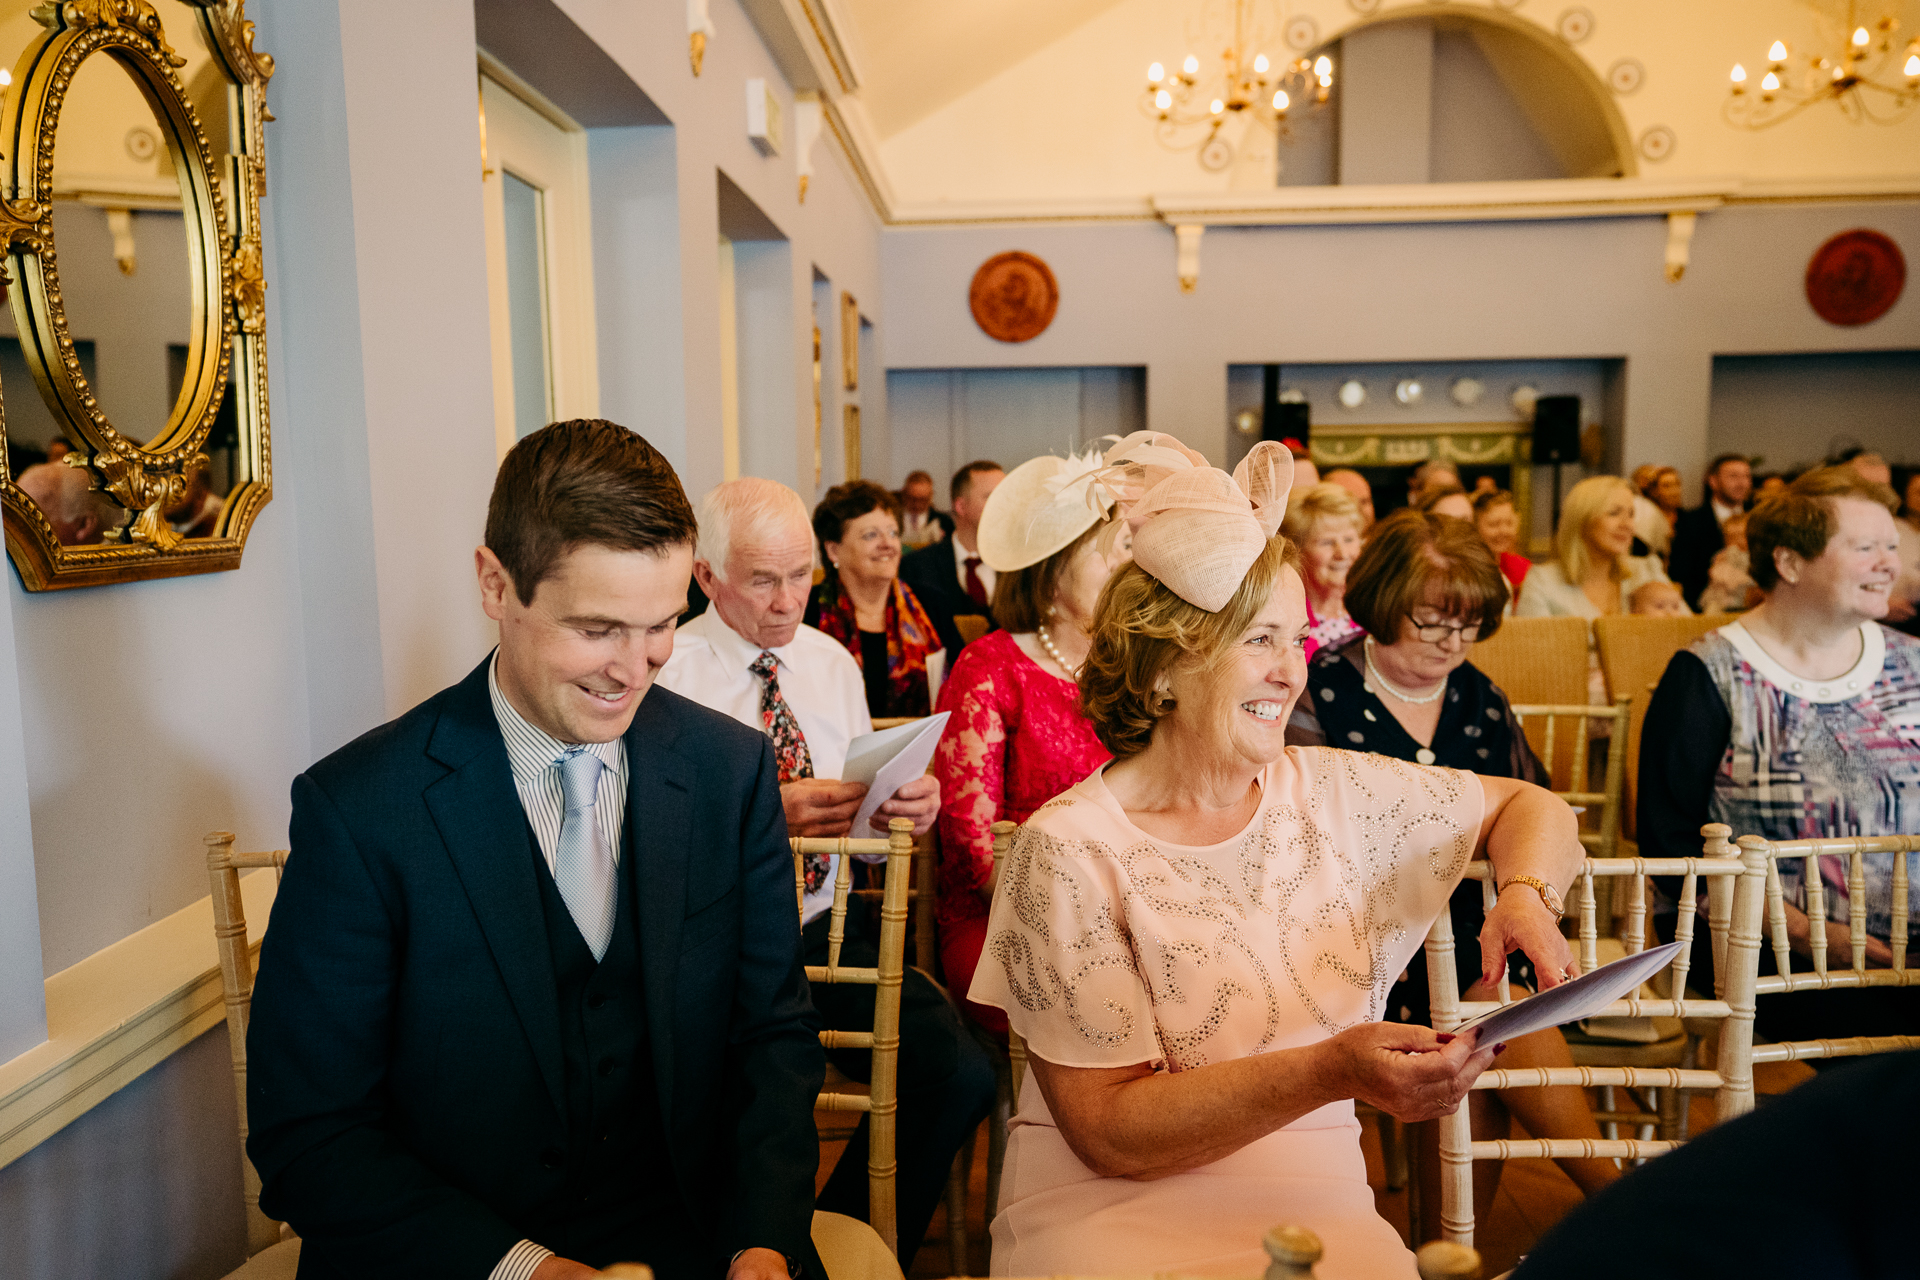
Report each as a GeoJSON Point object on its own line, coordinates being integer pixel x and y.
{"type": "Point", "coordinates": [949, 577]}
{"type": "Point", "coordinates": [1696, 533]}
{"type": "Point", "coordinates": [531, 1000]}
{"type": "Point", "coordinates": [921, 523]}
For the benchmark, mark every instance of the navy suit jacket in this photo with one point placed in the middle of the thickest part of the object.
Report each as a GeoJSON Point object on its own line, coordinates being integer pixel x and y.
{"type": "Point", "coordinates": [929, 573]}
{"type": "Point", "coordinates": [405, 1087]}
{"type": "Point", "coordinates": [1697, 539]}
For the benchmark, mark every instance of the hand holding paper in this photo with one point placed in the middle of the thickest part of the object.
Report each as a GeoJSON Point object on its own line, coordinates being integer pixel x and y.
{"type": "Point", "coordinates": [888, 760]}
{"type": "Point", "coordinates": [1583, 997]}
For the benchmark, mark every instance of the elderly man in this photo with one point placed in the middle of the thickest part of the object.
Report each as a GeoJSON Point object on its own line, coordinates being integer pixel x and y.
{"type": "Point", "coordinates": [750, 657]}
{"type": "Point", "coordinates": [1697, 535]}
{"type": "Point", "coordinates": [950, 579]}
{"type": "Point", "coordinates": [64, 496]}
{"type": "Point", "coordinates": [920, 522]}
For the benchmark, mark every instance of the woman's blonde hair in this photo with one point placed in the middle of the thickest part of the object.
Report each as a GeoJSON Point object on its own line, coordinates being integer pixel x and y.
{"type": "Point", "coordinates": [1584, 503]}
{"type": "Point", "coordinates": [1321, 503]}
{"type": "Point", "coordinates": [1142, 630]}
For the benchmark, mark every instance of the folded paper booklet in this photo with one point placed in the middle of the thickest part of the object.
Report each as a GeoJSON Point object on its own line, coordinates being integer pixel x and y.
{"type": "Point", "coordinates": [887, 761]}
{"type": "Point", "coordinates": [1583, 997]}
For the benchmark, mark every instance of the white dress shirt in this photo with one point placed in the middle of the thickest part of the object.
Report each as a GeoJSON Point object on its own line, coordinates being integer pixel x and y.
{"type": "Point", "coordinates": [960, 554]}
{"type": "Point", "coordinates": [1723, 513]}
{"type": "Point", "coordinates": [534, 756]}
{"type": "Point", "coordinates": [818, 678]}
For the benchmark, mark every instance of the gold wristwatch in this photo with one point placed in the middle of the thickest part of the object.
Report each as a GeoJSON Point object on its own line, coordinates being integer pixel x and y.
{"type": "Point", "coordinates": [1548, 894]}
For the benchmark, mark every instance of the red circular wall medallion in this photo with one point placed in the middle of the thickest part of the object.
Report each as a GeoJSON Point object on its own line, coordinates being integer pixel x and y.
{"type": "Point", "coordinates": [1856, 277]}
{"type": "Point", "coordinates": [1013, 297]}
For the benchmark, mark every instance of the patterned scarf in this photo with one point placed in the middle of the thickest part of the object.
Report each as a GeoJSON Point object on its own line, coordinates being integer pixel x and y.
{"type": "Point", "coordinates": [910, 638]}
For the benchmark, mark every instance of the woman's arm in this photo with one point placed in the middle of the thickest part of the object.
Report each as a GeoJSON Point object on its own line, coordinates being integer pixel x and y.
{"type": "Point", "coordinates": [1133, 1122]}
{"type": "Point", "coordinates": [971, 765]}
{"type": "Point", "coordinates": [1527, 831]}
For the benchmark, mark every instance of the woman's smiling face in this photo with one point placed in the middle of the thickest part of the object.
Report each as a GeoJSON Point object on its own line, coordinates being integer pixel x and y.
{"type": "Point", "coordinates": [1237, 706]}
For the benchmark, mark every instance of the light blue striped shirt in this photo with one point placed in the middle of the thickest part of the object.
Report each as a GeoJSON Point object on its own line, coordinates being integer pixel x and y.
{"type": "Point", "coordinates": [535, 757]}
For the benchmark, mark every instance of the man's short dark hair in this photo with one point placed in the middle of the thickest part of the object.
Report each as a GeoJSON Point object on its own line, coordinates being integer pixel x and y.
{"type": "Point", "coordinates": [583, 482]}
{"type": "Point", "coordinates": [963, 478]}
{"type": "Point", "coordinates": [917, 475]}
{"type": "Point", "coordinates": [1713, 469]}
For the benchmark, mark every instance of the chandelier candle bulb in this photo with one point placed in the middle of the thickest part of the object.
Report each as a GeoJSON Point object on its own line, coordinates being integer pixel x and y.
{"type": "Point", "coordinates": [1912, 68]}
{"type": "Point", "coordinates": [1860, 37]}
{"type": "Point", "coordinates": [1191, 66]}
{"type": "Point", "coordinates": [1771, 83]}
{"type": "Point", "coordinates": [1217, 107]}
{"type": "Point", "coordinates": [1739, 76]}
{"type": "Point", "coordinates": [1156, 73]}
{"type": "Point", "coordinates": [1163, 99]}
{"type": "Point", "coordinates": [1260, 65]}
{"type": "Point", "coordinates": [1777, 54]}
{"type": "Point", "coordinates": [1280, 100]}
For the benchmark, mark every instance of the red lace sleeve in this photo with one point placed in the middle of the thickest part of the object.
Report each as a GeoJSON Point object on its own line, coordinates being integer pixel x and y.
{"type": "Point", "coordinates": [971, 765]}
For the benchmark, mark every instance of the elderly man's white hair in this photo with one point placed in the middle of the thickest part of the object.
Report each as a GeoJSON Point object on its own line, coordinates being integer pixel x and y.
{"type": "Point", "coordinates": [747, 509]}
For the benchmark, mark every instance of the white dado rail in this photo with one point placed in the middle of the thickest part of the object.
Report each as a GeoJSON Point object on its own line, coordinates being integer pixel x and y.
{"type": "Point", "coordinates": [1680, 202]}
{"type": "Point", "coordinates": [117, 1014]}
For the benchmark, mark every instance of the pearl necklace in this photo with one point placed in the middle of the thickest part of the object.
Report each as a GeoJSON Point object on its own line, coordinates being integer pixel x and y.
{"type": "Point", "coordinates": [1409, 698]}
{"type": "Point", "coordinates": [1046, 642]}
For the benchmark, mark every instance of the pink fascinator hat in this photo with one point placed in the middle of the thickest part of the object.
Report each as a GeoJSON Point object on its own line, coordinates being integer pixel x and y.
{"type": "Point", "coordinates": [1196, 529]}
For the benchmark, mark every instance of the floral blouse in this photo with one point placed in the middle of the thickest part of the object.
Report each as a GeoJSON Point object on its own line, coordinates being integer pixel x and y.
{"type": "Point", "coordinates": [1016, 740]}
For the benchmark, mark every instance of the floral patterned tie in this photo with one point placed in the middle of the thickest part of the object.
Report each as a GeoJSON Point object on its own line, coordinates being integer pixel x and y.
{"type": "Point", "coordinates": [789, 746]}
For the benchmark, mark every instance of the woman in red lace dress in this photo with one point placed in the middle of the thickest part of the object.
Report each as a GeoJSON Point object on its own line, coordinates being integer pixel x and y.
{"type": "Point", "coordinates": [1017, 738]}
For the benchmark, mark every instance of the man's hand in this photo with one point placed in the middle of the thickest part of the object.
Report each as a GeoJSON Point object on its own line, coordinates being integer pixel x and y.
{"type": "Point", "coordinates": [820, 806]}
{"type": "Point", "coordinates": [557, 1268]}
{"type": "Point", "coordinates": [758, 1264]}
{"type": "Point", "coordinates": [1411, 1073]}
{"type": "Point", "coordinates": [1520, 921]}
{"type": "Point", "coordinates": [919, 800]}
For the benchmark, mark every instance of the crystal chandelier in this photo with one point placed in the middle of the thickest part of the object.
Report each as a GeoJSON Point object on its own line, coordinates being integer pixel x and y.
{"type": "Point", "coordinates": [1190, 109]}
{"type": "Point", "coordinates": [1871, 77]}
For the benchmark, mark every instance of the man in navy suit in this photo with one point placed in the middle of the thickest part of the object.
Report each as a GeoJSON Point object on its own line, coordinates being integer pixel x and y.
{"type": "Point", "coordinates": [531, 1002]}
{"type": "Point", "coordinates": [948, 577]}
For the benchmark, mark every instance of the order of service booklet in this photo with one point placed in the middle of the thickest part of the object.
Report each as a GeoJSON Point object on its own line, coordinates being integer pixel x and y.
{"type": "Point", "coordinates": [1583, 997]}
{"type": "Point", "coordinates": [888, 760]}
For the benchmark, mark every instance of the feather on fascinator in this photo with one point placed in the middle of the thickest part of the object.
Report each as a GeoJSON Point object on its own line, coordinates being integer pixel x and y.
{"type": "Point", "coordinates": [1197, 529]}
{"type": "Point", "coordinates": [1042, 506]}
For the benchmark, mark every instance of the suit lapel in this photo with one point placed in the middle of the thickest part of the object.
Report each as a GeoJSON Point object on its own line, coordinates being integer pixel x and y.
{"type": "Point", "coordinates": [478, 814]}
{"type": "Point", "coordinates": [660, 785]}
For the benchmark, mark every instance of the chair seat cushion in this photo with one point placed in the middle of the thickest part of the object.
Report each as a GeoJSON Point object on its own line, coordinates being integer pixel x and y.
{"type": "Point", "coordinates": [276, 1263]}
{"type": "Point", "coordinates": [852, 1250]}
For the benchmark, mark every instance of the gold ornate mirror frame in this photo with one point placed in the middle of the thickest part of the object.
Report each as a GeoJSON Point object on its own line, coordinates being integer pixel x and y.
{"type": "Point", "coordinates": [220, 202]}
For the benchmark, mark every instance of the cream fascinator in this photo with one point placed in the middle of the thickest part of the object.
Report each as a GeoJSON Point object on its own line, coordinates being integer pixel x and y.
{"type": "Point", "coordinates": [1042, 506]}
{"type": "Point", "coordinates": [1195, 528]}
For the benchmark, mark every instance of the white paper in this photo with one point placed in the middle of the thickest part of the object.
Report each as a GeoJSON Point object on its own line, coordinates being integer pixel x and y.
{"type": "Point", "coordinates": [1583, 997]}
{"type": "Point", "coordinates": [889, 760]}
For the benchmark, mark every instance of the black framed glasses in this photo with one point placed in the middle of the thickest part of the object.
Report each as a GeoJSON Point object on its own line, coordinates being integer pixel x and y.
{"type": "Point", "coordinates": [1436, 632]}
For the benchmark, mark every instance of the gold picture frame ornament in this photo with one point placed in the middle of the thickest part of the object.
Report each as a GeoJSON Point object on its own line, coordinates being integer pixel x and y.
{"type": "Point", "coordinates": [220, 202]}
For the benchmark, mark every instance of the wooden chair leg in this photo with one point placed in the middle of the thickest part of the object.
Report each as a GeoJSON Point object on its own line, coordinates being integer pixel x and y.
{"type": "Point", "coordinates": [1393, 1151]}
{"type": "Point", "coordinates": [958, 1179]}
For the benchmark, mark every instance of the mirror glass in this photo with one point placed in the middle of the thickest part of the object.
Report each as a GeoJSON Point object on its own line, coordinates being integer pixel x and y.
{"type": "Point", "coordinates": [122, 245]}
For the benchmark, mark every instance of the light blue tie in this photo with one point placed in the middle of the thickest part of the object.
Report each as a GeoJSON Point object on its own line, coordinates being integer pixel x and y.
{"type": "Point", "coordinates": [583, 866]}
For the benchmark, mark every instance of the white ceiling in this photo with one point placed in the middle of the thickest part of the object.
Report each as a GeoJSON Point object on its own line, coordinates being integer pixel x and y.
{"type": "Point", "coordinates": [917, 56]}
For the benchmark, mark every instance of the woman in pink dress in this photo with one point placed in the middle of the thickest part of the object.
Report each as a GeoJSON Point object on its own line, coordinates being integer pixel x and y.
{"type": "Point", "coordinates": [1196, 941]}
{"type": "Point", "coordinates": [1017, 737]}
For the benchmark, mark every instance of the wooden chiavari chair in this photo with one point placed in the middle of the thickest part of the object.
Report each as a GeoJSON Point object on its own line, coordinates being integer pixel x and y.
{"type": "Point", "coordinates": [269, 1257]}
{"type": "Point", "coordinates": [880, 1098]}
{"type": "Point", "coordinates": [1565, 753]}
{"type": "Point", "coordinates": [1823, 977]}
{"type": "Point", "coordinates": [1735, 881]}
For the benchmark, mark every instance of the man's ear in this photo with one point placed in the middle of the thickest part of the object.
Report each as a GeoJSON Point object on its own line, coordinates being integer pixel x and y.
{"type": "Point", "coordinates": [1787, 565]}
{"type": "Point", "coordinates": [704, 576]}
{"type": "Point", "coordinates": [496, 584]}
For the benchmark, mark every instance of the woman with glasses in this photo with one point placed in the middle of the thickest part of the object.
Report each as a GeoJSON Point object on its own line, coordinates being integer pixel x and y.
{"type": "Point", "coordinates": [1424, 589]}
{"type": "Point", "coordinates": [863, 604]}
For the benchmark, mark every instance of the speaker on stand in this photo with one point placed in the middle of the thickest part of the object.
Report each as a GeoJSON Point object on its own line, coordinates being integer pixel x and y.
{"type": "Point", "coordinates": [1556, 438]}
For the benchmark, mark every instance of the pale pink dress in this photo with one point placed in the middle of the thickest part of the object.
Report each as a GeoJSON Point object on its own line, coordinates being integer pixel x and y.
{"type": "Point", "coordinates": [1108, 947]}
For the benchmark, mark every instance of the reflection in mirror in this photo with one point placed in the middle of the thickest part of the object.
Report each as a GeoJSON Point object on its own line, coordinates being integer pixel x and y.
{"type": "Point", "coordinates": [80, 516]}
{"type": "Point", "coordinates": [122, 242]}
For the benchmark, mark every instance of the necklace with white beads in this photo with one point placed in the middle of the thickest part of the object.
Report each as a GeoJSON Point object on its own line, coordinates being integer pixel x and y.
{"type": "Point", "coordinates": [1046, 642]}
{"type": "Point", "coordinates": [1418, 701]}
